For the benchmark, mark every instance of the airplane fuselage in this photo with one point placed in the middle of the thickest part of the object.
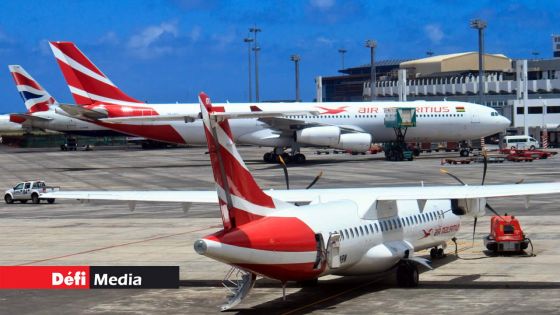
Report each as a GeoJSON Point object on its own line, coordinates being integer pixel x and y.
{"type": "Point", "coordinates": [436, 121]}
{"type": "Point", "coordinates": [286, 245]}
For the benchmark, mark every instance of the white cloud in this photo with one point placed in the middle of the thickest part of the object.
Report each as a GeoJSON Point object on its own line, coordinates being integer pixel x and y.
{"type": "Point", "coordinates": [322, 4]}
{"type": "Point", "coordinates": [110, 38]}
{"type": "Point", "coordinates": [324, 41]}
{"type": "Point", "coordinates": [223, 40]}
{"type": "Point", "coordinates": [434, 33]}
{"type": "Point", "coordinates": [43, 48]}
{"type": "Point", "coordinates": [195, 33]}
{"type": "Point", "coordinates": [145, 44]}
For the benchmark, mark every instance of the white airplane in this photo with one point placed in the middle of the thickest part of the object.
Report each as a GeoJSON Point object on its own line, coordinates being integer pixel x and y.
{"type": "Point", "coordinates": [41, 110]}
{"type": "Point", "coordinates": [342, 125]}
{"type": "Point", "coordinates": [352, 231]}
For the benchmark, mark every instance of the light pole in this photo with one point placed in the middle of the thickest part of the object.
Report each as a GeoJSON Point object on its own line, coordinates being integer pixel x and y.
{"type": "Point", "coordinates": [342, 51]}
{"type": "Point", "coordinates": [249, 41]}
{"type": "Point", "coordinates": [371, 44]}
{"type": "Point", "coordinates": [296, 59]}
{"type": "Point", "coordinates": [256, 49]}
{"type": "Point", "coordinates": [480, 25]}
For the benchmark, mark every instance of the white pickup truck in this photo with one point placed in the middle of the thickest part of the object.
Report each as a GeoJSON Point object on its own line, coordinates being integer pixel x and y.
{"type": "Point", "coordinates": [29, 190]}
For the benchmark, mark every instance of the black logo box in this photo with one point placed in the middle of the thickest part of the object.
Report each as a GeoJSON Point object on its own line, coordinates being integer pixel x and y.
{"type": "Point", "coordinates": [152, 277]}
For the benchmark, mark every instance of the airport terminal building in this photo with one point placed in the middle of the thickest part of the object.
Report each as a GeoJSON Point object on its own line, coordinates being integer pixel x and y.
{"type": "Point", "coordinates": [455, 77]}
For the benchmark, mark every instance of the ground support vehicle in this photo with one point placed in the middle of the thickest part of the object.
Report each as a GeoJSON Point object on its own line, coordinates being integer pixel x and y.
{"type": "Point", "coordinates": [29, 190]}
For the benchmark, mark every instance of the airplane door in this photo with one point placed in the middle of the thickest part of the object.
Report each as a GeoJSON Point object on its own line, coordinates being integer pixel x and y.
{"type": "Point", "coordinates": [475, 118]}
{"type": "Point", "coordinates": [320, 252]}
{"type": "Point", "coordinates": [333, 251]}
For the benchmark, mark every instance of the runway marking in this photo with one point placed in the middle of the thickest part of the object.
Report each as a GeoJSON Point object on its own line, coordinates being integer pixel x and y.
{"type": "Point", "coordinates": [114, 246]}
{"type": "Point", "coordinates": [331, 297]}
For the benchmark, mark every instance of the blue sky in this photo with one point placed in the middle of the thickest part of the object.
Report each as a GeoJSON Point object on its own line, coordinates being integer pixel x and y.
{"type": "Point", "coordinates": [167, 51]}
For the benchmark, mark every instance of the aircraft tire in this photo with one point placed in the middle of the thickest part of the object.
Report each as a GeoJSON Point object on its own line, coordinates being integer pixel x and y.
{"type": "Point", "coordinates": [299, 158]}
{"type": "Point", "coordinates": [407, 275]}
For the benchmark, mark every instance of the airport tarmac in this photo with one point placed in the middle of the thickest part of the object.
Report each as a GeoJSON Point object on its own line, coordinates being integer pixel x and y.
{"type": "Point", "coordinates": [104, 233]}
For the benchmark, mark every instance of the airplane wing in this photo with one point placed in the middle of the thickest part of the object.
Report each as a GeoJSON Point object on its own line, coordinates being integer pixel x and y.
{"type": "Point", "coordinates": [193, 196]}
{"type": "Point", "coordinates": [289, 124]}
{"type": "Point", "coordinates": [470, 192]}
{"type": "Point", "coordinates": [310, 195]}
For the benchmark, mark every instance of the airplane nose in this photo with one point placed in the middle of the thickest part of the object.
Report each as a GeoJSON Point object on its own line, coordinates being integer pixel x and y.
{"type": "Point", "coordinates": [504, 122]}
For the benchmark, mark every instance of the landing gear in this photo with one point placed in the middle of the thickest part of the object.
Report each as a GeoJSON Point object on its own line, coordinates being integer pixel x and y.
{"type": "Point", "coordinates": [437, 253]}
{"type": "Point", "coordinates": [407, 275]}
{"type": "Point", "coordinates": [464, 152]}
{"type": "Point", "coordinates": [292, 157]}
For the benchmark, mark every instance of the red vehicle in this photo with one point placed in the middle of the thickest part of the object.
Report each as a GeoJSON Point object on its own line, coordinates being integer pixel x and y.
{"type": "Point", "coordinates": [533, 154]}
{"type": "Point", "coordinates": [505, 235]}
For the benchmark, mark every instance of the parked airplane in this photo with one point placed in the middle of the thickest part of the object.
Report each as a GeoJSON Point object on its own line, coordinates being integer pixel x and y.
{"type": "Point", "coordinates": [7, 126]}
{"type": "Point", "coordinates": [352, 231]}
{"type": "Point", "coordinates": [41, 109]}
{"type": "Point", "coordinates": [343, 125]}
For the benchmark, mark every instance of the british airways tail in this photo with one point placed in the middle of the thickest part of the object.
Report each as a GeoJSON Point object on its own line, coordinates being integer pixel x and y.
{"type": "Point", "coordinates": [240, 197]}
{"type": "Point", "coordinates": [35, 97]}
{"type": "Point", "coordinates": [86, 82]}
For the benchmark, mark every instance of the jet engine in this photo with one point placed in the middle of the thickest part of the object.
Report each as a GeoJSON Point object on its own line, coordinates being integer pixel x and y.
{"type": "Point", "coordinates": [474, 207]}
{"type": "Point", "coordinates": [331, 136]}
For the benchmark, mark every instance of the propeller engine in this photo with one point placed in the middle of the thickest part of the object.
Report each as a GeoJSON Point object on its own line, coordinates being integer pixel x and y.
{"type": "Point", "coordinates": [474, 207]}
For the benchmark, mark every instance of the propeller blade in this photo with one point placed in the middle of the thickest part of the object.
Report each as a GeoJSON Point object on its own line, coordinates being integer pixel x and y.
{"type": "Point", "coordinates": [444, 171]}
{"type": "Point", "coordinates": [485, 156]}
{"type": "Point", "coordinates": [314, 180]}
{"type": "Point", "coordinates": [474, 230]}
{"type": "Point", "coordinates": [285, 168]}
{"type": "Point", "coordinates": [493, 211]}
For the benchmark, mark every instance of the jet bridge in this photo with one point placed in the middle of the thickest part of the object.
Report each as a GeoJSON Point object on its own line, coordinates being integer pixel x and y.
{"type": "Point", "coordinates": [400, 119]}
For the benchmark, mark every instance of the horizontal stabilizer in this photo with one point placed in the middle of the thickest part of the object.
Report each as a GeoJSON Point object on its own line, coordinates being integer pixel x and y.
{"type": "Point", "coordinates": [80, 112]}
{"type": "Point", "coordinates": [20, 118]}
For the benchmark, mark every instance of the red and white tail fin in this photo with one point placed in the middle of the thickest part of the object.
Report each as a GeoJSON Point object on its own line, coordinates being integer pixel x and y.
{"type": "Point", "coordinates": [86, 82]}
{"type": "Point", "coordinates": [241, 199]}
{"type": "Point", "coordinates": [35, 97]}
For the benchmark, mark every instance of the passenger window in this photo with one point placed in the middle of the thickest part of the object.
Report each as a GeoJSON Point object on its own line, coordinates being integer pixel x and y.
{"type": "Point", "coordinates": [357, 233]}
{"type": "Point", "coordinates": [361, 231]}
{"type": "Point", "coordinates": [27, 185]}
{"type": "Point", "coordinates": [399, 222]}
{"type": "Point", "coordinates": [376, 228]}
{"type": "Point", "coordinates": [415, 220]}
{"type": "Point", "coordinates": [352, 233]}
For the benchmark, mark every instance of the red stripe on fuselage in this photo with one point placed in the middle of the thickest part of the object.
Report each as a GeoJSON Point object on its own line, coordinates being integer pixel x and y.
{"type": "Point", "coordinates": [124, 110]}
{"type": "Point", "coordinates": [23, 80]}
{"type": "Point", "coordinates": [286, 234]}
{"type": "Point", "coordinates": [285, 272]}
{"type": "Point", "coordinates": [164, 133]}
